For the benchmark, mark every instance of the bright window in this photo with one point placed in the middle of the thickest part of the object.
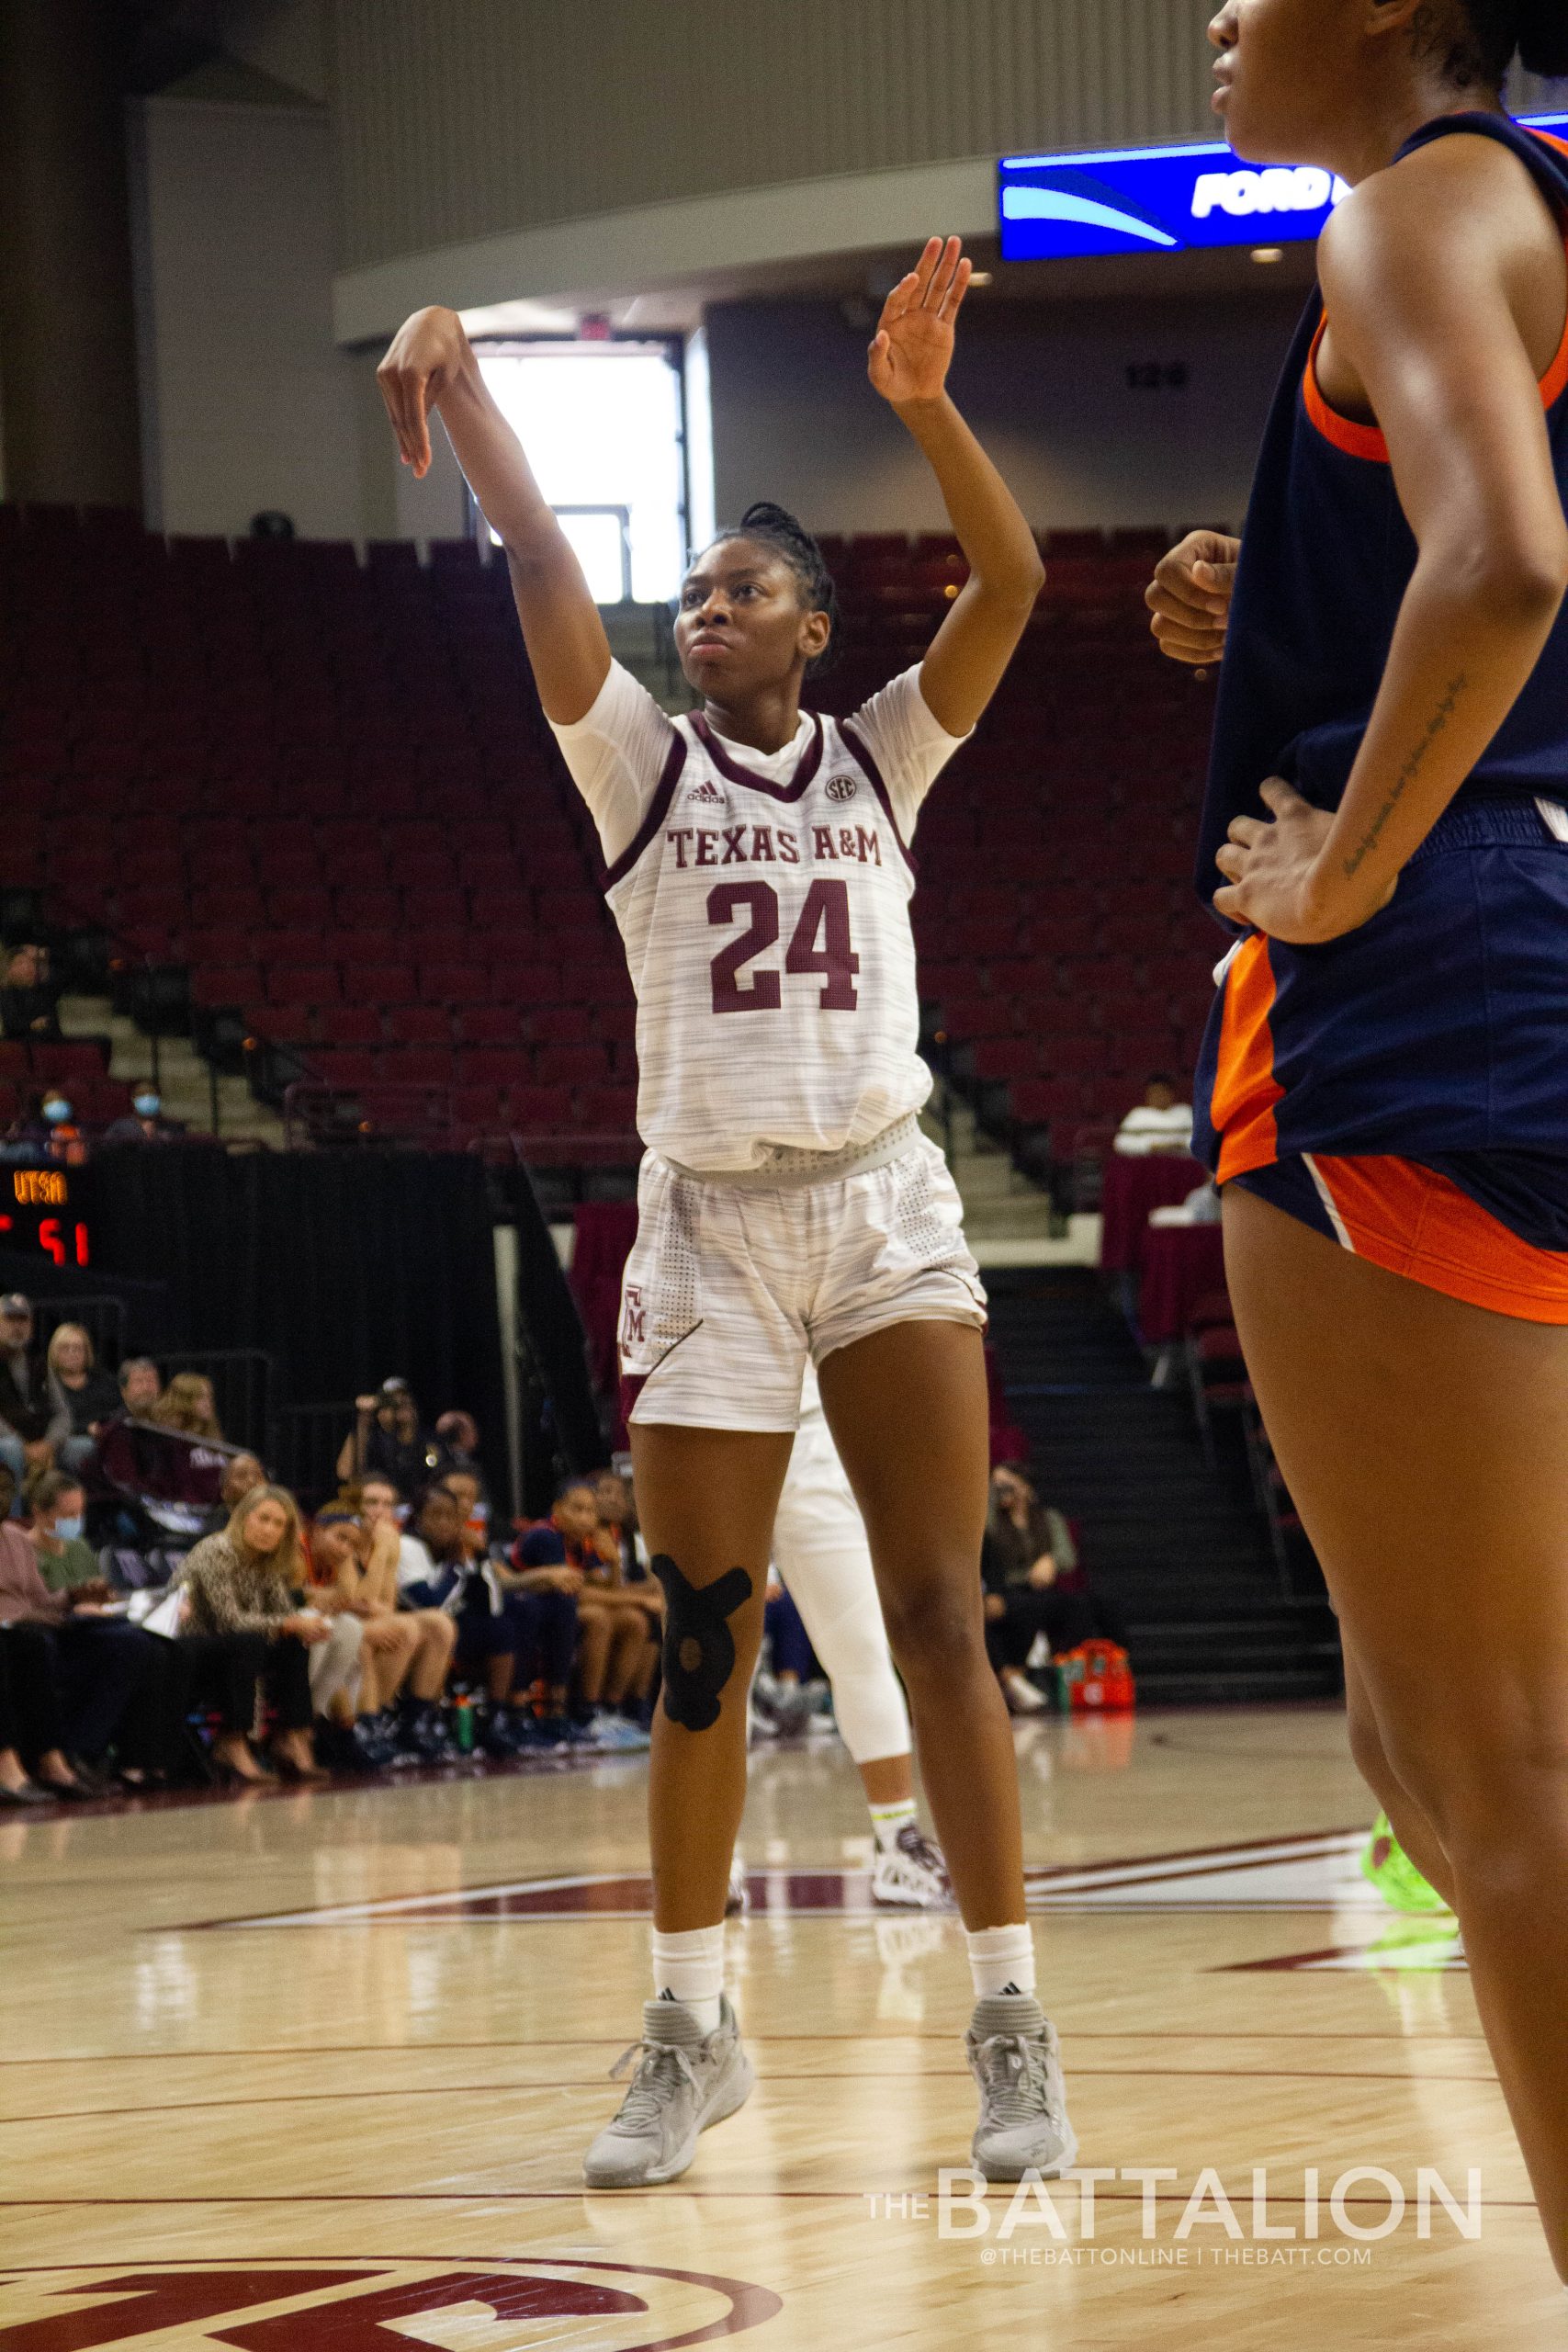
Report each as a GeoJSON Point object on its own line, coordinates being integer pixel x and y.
{"type": "Point", "coordinates": [601, 422]}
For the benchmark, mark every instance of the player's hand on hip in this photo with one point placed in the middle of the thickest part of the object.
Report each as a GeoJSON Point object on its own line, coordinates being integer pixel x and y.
{"type": "Point", "coordinates": [424, 356]}
{"type": "Point", "coordinates": [1276, 877]}
{"type": "Point", "coordinates": [1190, 597]}
{"type": "Point", "coordinates": [912, 350]}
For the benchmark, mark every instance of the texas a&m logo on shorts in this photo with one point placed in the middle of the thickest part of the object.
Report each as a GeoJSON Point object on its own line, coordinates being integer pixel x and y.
{"type": "Point", "coordinates": [633, 1319]}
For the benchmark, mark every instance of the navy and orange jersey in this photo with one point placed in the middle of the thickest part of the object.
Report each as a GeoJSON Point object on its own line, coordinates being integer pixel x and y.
{"type": "Point", "coordinates": [1326, 559]}
{"type": "Point", "coordinates": [1401, 1088]}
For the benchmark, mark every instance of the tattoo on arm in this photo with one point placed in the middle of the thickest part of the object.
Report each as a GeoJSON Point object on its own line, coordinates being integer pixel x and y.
{"type": "Point", "coordinates": [1408, 773]}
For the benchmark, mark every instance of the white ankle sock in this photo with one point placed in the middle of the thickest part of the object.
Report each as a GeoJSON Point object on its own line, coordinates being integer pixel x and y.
{"type": "Point", "coordinates": [1001, 1959]}
{"type": "Point", "coordinates": [888, 1819]}
{"type": "Point", "coordinates": [689, 1968]}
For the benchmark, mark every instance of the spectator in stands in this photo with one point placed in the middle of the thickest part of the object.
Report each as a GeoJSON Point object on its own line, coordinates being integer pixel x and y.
{"type": "Point", "coordinates": [141, 1386]}
{"type": "Point", "coordinates": [30, 1001]}
{"type": "Point", "coordinates": [1161, 1122]}
{"type": "Point", "coordinates": [77, 1388]}
{"type": "Point", "coordinates": [144, 1122]}
{"type": "Point", "coordinates": [240, 1473]}
{"type": "Point", "coordinates": [620, 1538]}
{"type": "Point", "coordinates": [389, 1436]}
{"type": "Point", "coordinates": [1034, 1584]}
{"type": "Point", "coordinates": [34, 1767]}
{"type": "Point", "coordinates": [618, 1622]}
{"type": "Point", "coordinates": [466, 1488]}
{"type": "Point", "coordinates": [31, 1424]}
{"type": "Point", "coordinates": [57, 1508]}
{"type": "Point", "coordinates": [377, 1499]}
{"type": "Point", "coordinates": [88, 1669]}
{"type": "Point", "coordinates": [411, 1647]}
{"type": "Point", "coordinates": [457, 1446]}
{"type": "Point", "coordinates": [438, 1568]}
{"type": "Point", "coordinates": [188, 1405]}
{"type": "Point", "coordinates": [248, 1580]}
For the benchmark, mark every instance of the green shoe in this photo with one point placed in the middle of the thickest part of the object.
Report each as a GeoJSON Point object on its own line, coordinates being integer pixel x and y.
{"type": "Point", "coordinates": [1387, 1866]}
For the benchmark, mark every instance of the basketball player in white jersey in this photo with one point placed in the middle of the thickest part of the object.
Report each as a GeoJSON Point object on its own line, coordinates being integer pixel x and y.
{"type": "Point", "coordinates": [824, 1562]}
{"type": "Point", "coordinates": [790, 1209]}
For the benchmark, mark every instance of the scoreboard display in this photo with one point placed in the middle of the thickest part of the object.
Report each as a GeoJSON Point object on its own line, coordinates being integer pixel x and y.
{"type": "Point", "coordinates": [46, 1210]}
{"type": "Point", "coordinates": [1165, 199]}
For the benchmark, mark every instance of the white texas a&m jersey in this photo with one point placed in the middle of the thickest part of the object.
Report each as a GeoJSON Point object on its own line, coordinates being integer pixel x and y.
{"type": "Point", "coordinates": [765, 903]}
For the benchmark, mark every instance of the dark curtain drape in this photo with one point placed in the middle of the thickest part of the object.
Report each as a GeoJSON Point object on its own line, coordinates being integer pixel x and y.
{"type": "Point", "coordinates": [345, 1267]}
{"type": "Point", "coordinates": [563, 1433]}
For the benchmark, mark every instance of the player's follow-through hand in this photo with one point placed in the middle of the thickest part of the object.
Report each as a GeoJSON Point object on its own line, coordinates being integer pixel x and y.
{"type": "Point", "coordinates": [913, 346]}
{"type": "Point", "coordinates": [425, 354]}
{"type": "Point", "coordinates": [1190, 597]}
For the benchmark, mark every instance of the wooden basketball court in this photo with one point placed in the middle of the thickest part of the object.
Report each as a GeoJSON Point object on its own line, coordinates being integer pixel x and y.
{"type": "Point", "coordinates": [316, 2070]}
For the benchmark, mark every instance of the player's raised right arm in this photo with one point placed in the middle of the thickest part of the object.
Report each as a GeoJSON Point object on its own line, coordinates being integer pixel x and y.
{"type": "Point", "coordinates": [431, 368]}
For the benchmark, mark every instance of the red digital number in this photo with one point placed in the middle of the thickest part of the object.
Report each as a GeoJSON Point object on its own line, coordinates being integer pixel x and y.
{"type": "Point", "coordinates": [49, 1239]}
{"type": "Point", "coordinates": [825, 919]}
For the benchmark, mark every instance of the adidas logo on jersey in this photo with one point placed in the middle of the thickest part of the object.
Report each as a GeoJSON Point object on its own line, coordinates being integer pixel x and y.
{"type": "Point", "coordinates": [842, 787]}
{"type": "Point", "coordinates": [707, 790]}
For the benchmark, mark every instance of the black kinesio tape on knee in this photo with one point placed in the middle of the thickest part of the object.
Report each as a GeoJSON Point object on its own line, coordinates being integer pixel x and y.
{"type": "Point", "coordinates": [699, 1648]}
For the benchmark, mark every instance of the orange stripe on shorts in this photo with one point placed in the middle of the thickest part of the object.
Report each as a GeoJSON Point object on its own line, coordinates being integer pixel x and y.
{"type": "Point", "coordinates": [1245, 1089]}
{"type": "Point", "coordinates": [1415, 1223]}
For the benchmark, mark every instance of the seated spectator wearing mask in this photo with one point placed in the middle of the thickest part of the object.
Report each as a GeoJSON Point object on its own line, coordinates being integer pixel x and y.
{"type": "Point", "coordinates": [389, 1437]}
{"type": "Point", "coordinates": [78, 1388]}
{"type": "Point", "coordinates": [248, 1580]}
{"type": "Point", "coordinates": [149, 1736]}
{"type": "Point", "coordinates": [356, 1563]}
{"type": "Point", "coordinates": [83, 1675]}
{"type": "Point", "coordinates": [141, 1386]}
{"type": "Point", "coordinates": [1034, 1584]}
{"type": "Point", "coordinates": [188, 1405]}
{"type": "Point", "coordinates": [31, 1423]}
{"type": "Point", "coordinates": [1161, 1122]}
{"type": "Point", "coordinates": [144, 1122]}
{"type": "Point", "coordinates": [30, 1000]}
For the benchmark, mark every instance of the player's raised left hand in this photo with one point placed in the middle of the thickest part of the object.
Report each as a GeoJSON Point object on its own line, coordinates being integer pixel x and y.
{"type": "Point", "coordinates": [1275, 878]}
{"type": "Point", "coordinates": [913, 347]}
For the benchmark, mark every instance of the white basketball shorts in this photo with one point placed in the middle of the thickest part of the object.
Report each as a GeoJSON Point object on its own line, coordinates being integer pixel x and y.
{"type": "Point", "coordinates": [733, 1286]}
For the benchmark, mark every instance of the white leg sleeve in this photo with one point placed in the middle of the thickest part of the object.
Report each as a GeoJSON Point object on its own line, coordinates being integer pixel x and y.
{"type": "Point", "coordinates": [334, 1663]}
{"type": "Point", "coordinates": [824, 1562]}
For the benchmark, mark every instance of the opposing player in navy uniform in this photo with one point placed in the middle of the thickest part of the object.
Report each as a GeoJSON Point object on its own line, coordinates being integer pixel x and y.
{"type": "Point", "coordinates": [790, 1210]}
{"type": "Point", "coordinates": [1383, 1091]}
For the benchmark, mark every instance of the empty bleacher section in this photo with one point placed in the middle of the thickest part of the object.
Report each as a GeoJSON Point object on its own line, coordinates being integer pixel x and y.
{"type": "Point", "coordinates": [324, 789]}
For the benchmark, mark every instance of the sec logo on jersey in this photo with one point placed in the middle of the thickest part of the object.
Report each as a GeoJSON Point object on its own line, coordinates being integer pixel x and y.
{"type": "Point", "coordinates": [269, 2306]}
{"type": "Point", "coordinates": [842, 787]}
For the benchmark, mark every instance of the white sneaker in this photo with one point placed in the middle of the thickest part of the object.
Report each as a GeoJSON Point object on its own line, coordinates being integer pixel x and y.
{"type": "Point", "coordinates": [911, 1873]}
{"type": "Point", "coordinates": [683, 2083]}
{"type": "Point", "coordinates": [1021, 1696]}
{"type": "Point", "coordinates": [1014, 2057]}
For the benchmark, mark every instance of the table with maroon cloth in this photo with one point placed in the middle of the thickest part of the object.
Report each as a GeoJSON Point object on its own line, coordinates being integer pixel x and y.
{"type": "Point", "coordinates": [1135, 1183]}
{"type": "Point", "coordinates": [1181, 1264]}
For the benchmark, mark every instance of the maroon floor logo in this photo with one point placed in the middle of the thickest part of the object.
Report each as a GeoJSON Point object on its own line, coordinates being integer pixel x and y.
{"type": "Point", "coordinates": [373, 2306]}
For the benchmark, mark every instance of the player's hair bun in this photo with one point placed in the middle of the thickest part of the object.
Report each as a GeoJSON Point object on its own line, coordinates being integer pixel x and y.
{"type": "Point", "coordinates": [788, 535]}
{"type": "Point", "coordinates": [1544, 37]}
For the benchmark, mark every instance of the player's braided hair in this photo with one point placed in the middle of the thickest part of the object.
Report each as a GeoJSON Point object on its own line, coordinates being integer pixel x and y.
{"type": "Point", "coordinates": [1489, 34]}
{"type": "Point", "coordinates": [777, 528]}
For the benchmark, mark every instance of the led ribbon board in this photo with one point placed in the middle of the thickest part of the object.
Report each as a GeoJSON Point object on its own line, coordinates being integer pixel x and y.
{"type": "Point", "coordinates": [1165, 199]}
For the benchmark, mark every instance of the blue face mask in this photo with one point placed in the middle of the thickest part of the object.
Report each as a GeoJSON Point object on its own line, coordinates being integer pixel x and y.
{"type": "Point", "coordinates": [149, 1105]}
{"type": "Point", "coordinates": [68, 1530]}
{"type": "Point", "coordinates": [57, 1112]}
